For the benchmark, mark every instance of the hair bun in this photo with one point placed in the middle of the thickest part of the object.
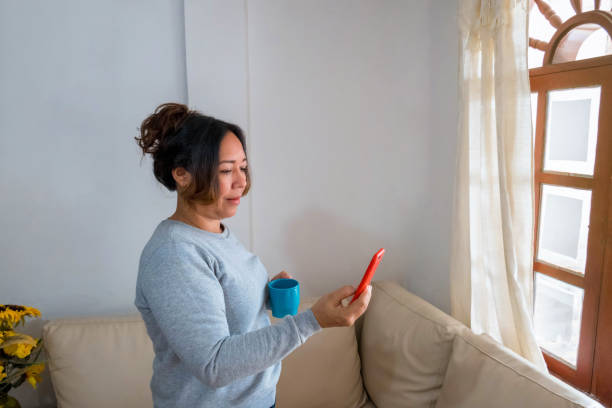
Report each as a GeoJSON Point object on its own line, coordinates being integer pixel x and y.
{"type": "Point", "coordinates": [166, 120]}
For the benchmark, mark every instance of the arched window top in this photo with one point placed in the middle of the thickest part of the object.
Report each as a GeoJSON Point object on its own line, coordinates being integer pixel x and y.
{"type": "Point", "coordinates": [575, 31]}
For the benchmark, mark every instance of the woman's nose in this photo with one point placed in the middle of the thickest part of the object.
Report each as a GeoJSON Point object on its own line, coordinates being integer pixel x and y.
{"type": "Point", "coordinates": [239, 178]}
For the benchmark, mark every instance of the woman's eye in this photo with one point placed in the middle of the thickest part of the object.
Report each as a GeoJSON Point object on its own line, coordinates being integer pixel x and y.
{"type": "Point", "coordinates": [244, 169]}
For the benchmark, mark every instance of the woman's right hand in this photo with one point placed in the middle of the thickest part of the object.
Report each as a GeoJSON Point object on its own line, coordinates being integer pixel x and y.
{"type": "Point", "coordinates": [330, 312]}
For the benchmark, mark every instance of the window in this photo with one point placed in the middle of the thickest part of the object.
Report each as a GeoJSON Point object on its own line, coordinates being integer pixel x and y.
{"type": "Point", "coordinates": [570, 61]}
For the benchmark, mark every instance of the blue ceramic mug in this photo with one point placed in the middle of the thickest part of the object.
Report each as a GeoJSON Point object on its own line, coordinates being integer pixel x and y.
{"type": "Point", "coordinates": [284, 297]}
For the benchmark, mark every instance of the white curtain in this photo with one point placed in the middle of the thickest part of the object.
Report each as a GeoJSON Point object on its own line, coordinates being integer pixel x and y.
{"type": "Point", "coordinates": [492, 242]}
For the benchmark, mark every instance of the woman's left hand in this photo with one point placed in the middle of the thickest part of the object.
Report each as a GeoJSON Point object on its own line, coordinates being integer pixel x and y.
{"type": "Point", "coordinates": [282, 275]}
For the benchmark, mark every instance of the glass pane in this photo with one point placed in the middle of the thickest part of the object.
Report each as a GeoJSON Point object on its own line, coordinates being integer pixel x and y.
{"type": "Point", "coordinates": [564, 226]}
{"type": "Point", "coordinates": [571, 130]}
{"type": "Point", "coordinates": [584, 41]}
{"type": "Point", "coordinates": [557, 316]}
{"type": "Point", "coordinates": [596, 44]}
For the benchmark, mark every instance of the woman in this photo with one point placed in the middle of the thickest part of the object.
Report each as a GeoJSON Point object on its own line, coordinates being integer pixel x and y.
{"type": "Point", "coordinates": [201, 294]}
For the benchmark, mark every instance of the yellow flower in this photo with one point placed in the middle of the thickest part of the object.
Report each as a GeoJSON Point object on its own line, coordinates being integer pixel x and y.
{"type": "Point", "coordinates": [8, 317]}
{"type": "Point", "coordinates": [18, 345]}
{"type": "Point", "coordinates": [32, 311]}
{"type": "Point", "coordinates": [33, 373]}
{"type": "Point", "coordinates": [18, 350]}
{"type": "Point", "coordinates": [2, 373]}
{"type": "Point", "coordinates": [6, 334]}
{"type": "Point", "coordinates": [11, 315]}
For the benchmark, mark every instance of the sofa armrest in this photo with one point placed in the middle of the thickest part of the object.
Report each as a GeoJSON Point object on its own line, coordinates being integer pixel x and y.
{"type": "Point", "coordinates": [482, 372]}
{"type": "Point", "coordinates": [100, 361]}
{"type": "Point", "coordinates": [405, 344]}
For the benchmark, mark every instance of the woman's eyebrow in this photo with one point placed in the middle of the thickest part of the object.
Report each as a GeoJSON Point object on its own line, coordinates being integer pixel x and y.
{"type": "Point", "coordinates": [231, 161]}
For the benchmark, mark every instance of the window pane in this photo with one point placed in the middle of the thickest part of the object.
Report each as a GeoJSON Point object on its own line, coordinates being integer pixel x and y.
{"type": "Point", "coordinates": [571, 130]}
{"type": "Point", "coordinates": [596, 44]}
{"type": "Point", "coordinates": [583, 41]}
{"type": "Point", "coordinates": [557, 316]}
{"type": "Point", "coordinates": [564, 223]}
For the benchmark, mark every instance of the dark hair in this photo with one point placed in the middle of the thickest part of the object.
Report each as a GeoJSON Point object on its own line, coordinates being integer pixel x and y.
{"type": "Point", "coordinates": [178, 137]}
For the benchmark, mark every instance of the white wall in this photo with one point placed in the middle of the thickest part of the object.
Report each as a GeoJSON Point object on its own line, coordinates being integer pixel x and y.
{"type": "Point", "coordinates": [340, 122]}
{"type": "Point", "coordinates": [217, 74]}
{"type": "Point", "coordinates": [350, 115]}
{"type": "Point", "coordinates": [349, 108]}
{"type": "Point", "coordinates": [76, 80]}
{"type": "Point", "coordinates": [430, 277]}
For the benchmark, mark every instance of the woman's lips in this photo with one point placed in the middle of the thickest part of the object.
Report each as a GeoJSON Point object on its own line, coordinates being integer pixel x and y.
{"type": "Point", "coordinates": [234, 200]}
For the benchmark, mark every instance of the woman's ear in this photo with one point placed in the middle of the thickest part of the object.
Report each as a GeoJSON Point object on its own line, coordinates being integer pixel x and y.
{"type": "Point", "coordinates": [182, 177]}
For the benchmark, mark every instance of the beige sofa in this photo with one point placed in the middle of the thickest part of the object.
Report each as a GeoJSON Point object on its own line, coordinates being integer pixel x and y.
{"type": "Point", "coordinates": [403, 352]}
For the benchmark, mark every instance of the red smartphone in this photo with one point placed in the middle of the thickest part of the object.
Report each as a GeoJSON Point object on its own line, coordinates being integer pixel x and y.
{"type": "Point", "coordinates": [369, 273]}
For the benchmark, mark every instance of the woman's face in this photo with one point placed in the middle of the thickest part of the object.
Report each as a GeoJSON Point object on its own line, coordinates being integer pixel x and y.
{"type": "Point", "coordinates": [232, 176]}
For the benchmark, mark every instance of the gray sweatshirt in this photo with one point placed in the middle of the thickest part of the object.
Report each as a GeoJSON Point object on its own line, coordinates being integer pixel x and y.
{"type": "Point", "coordinates": [203, 298]}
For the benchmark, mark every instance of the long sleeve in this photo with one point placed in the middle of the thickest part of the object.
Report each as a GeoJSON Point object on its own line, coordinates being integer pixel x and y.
{"type": "Point", "coordinates": [189, 305]}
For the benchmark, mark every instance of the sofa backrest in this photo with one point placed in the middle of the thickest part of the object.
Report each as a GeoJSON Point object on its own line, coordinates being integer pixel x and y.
{"type": "Point", "coordinates": [107, 362]}
{"type": "Point", "coordinates": [405, 344]}
{"type": "Point", "coordinates": [482, 372]}
{"type": "Point", "coordinates": [323, 372]}
{"type": "Point", "coordinates": [100, 362]}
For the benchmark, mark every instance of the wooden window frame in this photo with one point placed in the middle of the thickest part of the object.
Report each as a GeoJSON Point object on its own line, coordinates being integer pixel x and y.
{"type": "Point", "coordinates": [594, 364]}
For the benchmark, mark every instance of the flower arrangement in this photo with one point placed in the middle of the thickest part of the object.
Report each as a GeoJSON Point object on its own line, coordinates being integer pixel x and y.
{"type": "Point", "coordinates": [19, 353]}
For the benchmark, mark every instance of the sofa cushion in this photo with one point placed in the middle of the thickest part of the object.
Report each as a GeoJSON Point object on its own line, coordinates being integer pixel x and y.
{"type": "Point", "coordinates": [483, 373]}
{"type": "Point", "coordinates": [405, 345]}
{"type": "Point", "coordinates": [100, 362]}
{"type": "Point", "coordinates": [322, 372]}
